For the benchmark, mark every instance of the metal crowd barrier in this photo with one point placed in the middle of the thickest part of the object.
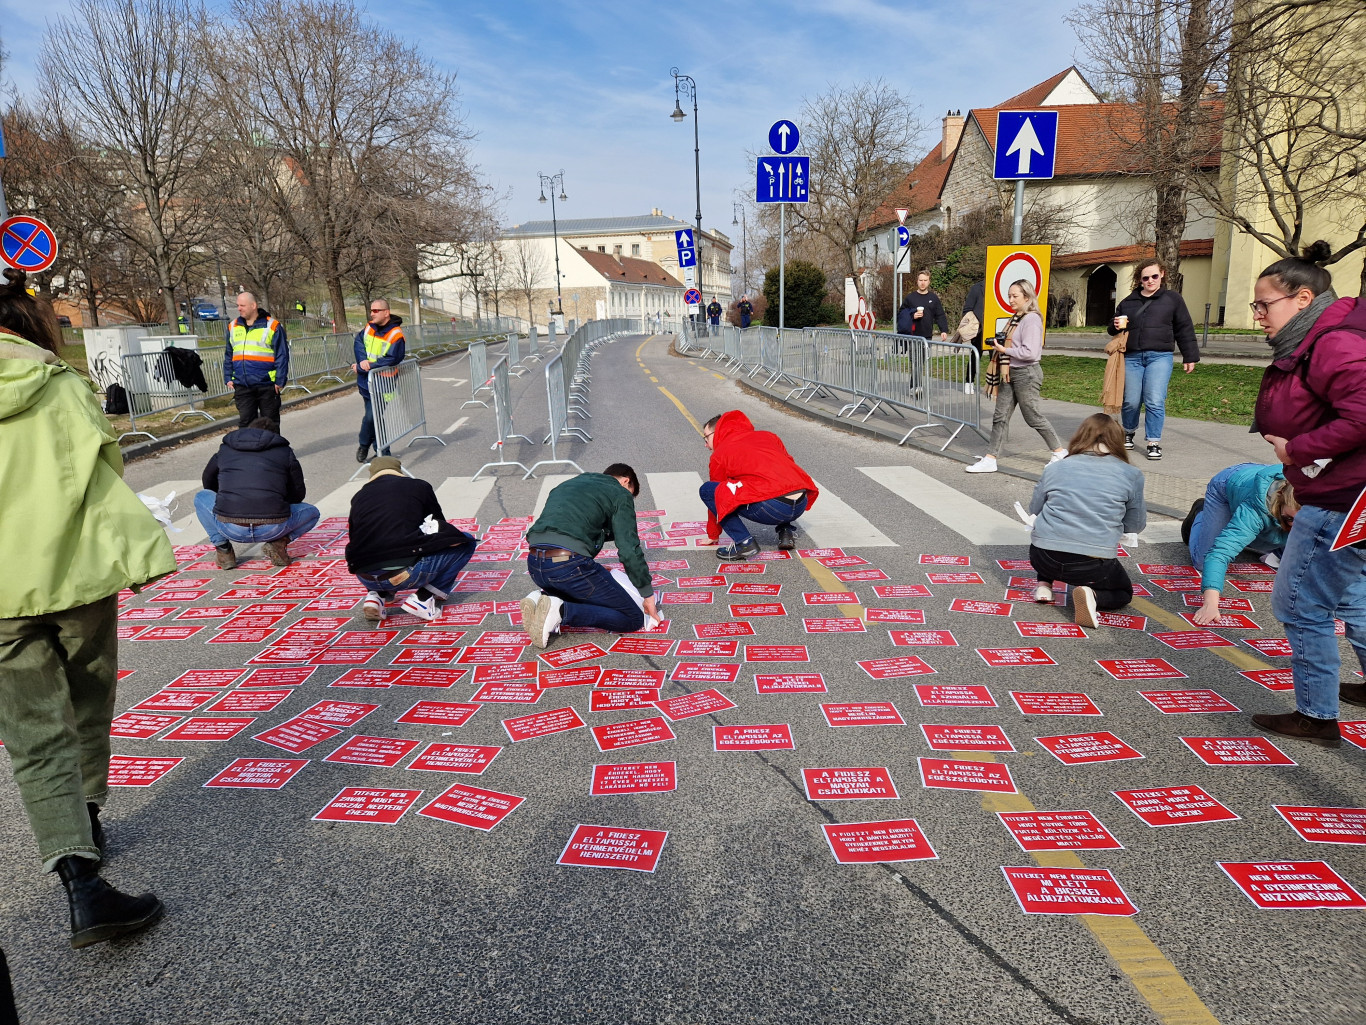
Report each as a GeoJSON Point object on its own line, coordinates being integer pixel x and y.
{"type": "Point", "coordinates": [396, 401]}
{"type": "Point", "coordinates": [479, 374]}
{"type": "Point", "coordinates": [502, 408]}
{"type": "Point", "coordinates": [557, 405]}
{"type": "Point", "coordinates": [151, 386]}
{"type": "Point", "coordinates": [514, 355]}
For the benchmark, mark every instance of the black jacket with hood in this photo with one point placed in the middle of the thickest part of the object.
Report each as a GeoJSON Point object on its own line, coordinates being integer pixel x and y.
{"type": "Point", "coordinates": [256, 475]}
{"type": "Point", "coordinates": [1158, 323]}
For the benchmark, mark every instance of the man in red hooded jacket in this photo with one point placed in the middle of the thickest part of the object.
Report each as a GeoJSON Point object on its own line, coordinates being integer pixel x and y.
{"type": "Point", "coordinates": [752, 476]}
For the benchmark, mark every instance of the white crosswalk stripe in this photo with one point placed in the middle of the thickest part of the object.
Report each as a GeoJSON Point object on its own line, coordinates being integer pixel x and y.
{"type": "Point", "coordinates": [548, 484]}
{"type": "Point", "coordinates": [189, 532]}
{"type": "Point", "coordinates": [676, 494]}
{"type": "Point", "coordinates": [460, 499]}
{"type": "Point", "coordinates": [974, 520]}
{"type": "Point", "coordinates": [833, 523]}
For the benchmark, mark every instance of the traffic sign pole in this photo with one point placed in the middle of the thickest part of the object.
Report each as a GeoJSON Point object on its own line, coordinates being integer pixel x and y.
{"type": "Point", "coordinates": [782, 264]}
{"type": "Point", "coordinates": [1017, 225]}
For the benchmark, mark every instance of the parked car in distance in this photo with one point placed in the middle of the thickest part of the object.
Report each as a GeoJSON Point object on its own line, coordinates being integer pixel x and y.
{"type": "Point", "coordinates": [206, 310]}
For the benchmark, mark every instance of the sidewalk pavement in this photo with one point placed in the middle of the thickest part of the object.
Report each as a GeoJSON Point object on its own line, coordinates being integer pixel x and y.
{"type": "Point", "coordinates": [1193, 451]}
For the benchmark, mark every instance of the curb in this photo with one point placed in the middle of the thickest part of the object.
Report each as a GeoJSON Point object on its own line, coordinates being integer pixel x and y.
{"type": "Point", "coordinates": [143, 449]}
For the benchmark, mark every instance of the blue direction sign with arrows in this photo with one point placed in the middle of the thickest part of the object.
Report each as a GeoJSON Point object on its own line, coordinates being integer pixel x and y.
{"type": "Point", "coordinates": [783, 137]}
{"type": "Point", "coordinates": [1026, 144]}
{"type": "Point", "coordinates": [687, 249]}
{"type": "Point", "coordinates": [903, 236]}
{"type": "Point", "coordinates": [782, 180]}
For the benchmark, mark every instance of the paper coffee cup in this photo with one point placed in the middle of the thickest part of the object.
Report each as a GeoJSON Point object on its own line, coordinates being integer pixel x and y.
{"type": "Point", "coordinates": [1122, 321]}
{"type": "Point", "coordinates": [920, 311]}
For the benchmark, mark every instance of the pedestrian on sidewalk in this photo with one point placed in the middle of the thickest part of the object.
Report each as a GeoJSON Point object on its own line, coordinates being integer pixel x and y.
{"type": "Point", "coordinates": [400, 540]}
{"type": "Point", "coordinates": [1312, 409]}
{"type": "Point", "coordinates": [1021, 378]}
{"type": "Point", "coordinates": [746, 309]}
{"type": "Point", "coordinates": [378, 346]}
{"type": "Point", "coordinates": [1082, 505]}
{"type": "Point", "coordinates": [752, 478]}
{"type": "Point", "coordinates": [580, 516]}
{"type": "Point", "coordinates": [72, 536]}
{"type": "Point", "coordinates": [1157, 321]}
{"type": "Point", "coordinates": [255, 361]}
{"type": "Point", "coordinates": [975, 303]}
{"type": "Point", "coordinates": [714, 312]}
{"type": "Point", "coordinates": [254, 494]}
{"type": "Point", "coordinates": [1250, 505]}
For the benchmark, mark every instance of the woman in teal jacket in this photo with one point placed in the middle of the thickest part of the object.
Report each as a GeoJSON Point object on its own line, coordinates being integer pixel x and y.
{"type": "Point", "coordinates": [72, 535]}
{"type": "Point", "coordinates": [1246, 506]}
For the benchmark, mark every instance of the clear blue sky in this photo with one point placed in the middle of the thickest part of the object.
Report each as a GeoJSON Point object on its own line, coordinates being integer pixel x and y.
{"type": "Point", "coordinates": [585, 86]}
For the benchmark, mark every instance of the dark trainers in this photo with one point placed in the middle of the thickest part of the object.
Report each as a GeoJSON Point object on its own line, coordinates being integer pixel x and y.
{"type": "Point", "coordinates": [1129, 439]}
{"type": "Point", "coordinates": [1154, 450]}
{"type": "Point", "coordinates": [787, 538]}
{"type": "Point", "coordinates": [1298, 726]}
{"type": "Point", "coordinates": [1188, 524]}
{"type": "Point", "coordinates": [738, 552]}
{"type": "Point", "coordinates": [225, 556]}
{"type": "Point", "coordinates": [1353, 693]}
{"type": "Point", "coordinates": [278, 552]}
{"type": "Point", "coordinates": [362, 452]}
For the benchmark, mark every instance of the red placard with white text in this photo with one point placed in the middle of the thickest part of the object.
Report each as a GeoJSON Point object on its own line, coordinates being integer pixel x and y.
{"type": "Point", "coordinates": [1276, 647]}
{"type": "Point", "coordinates": [709, 630]}
{"type": "Point", "coordinates": [183, 701]}
{"type": "Point", "coordinates": [209, 729]}
{"type": "Point", "coordinates": [614, 847]}
{"type": "Point", "coordinates": [923, 638]}
{"type": "Point", "coordinates": [505, 672]}
{"type": "Point", "coordinates": [896, 668]}
{"type": "Point", "coordinates": [1087, 748]}
{"type": "Point", "coordinates": [690, 705]}
{"type": "Point", "coordinates": [915, 617]}
{"type": "Point", "coordinates": [1140, 669]}
{"type": "Point", "coordinates": [297, 735]}
{"type": "Point", "coordinates": [1059, 831]}
{"type": "Point", "coordinates": [775, 737]}
{"type": "Point", "coordinates": [471, 806]}
{"type": "Point", "coordinates": [789, 683]}
{"type": "Point", "coordinates": [981, 608]}
{"type": "Point", "coordinates": [1121, 621]}
{"type": "Point", "coordinates": [1353, 530]}
{"type": "Point", "coordinates": [1185, 640]}
{"type": "Point", "coordinates": [440, 713]}
{"type": "Point", "coordinates": [1068, 891]}
{"type": "Point", "coordinates": [966, 738]}
{"type": "Point", "coordinates": [541, 724]}
{"type": "Point", "coordinates": [761, 590]}
{"type": "Point", "coordinates": [1271, 679]}
{"type": "Point", "coordinates": [515, 692]}
{"type": "Point", "coordinates": [849, 784]}
{"type": "Point", "coordinates": [1175, 806]}
{"type": "Point", "coordinates": [1175, 702]}
{"type": "Point", "coordinates": [582, 676]}
{"type": "Point", "coordinates": [862, 713]}
{"type": "Point", "coordinates": [193, 678]}
{"type": "Point", "coordinates": [654, 646]}
{"type": "Point", "coordinates": [385, 752]}
{"type": "Point", "coordinates": [127, 771]}
{"type": "Point", "coordinates": [954, 578]}
{"type": "Point", "coordinates": [902, 591]}
{"type": "Point", "coordinates": [634, 778]}
{"type": "Point", "coordinates": [954, 695]}
{"type": "Point", "coordinates": [1325, 825]}
{"type": "Point", "coordinates": [618, 699]}
{"type": "Point", "coordinates": [705, 672]}
{"type": "Point", "coordinates": [1050, 630]}
{"type": "Point", "coordinates": [141, 725]}
{"type": "Point", "coordinates": [1225, 605]}
{"type": "Point", "coordinates": [1237, 751]}
{"type": "Point", "coordinates": [759, 609]}
{"type": "Point", "coordinates": [1279, 885]}
{"type": "Point", "coordinates": [279, 676]}
{"type": "Point", "coordinates": [339, 714]}
{"type": "Point", "coordinates": [776, 653]}
{"type": "Point", "coordinates": [1009, 658]}
{"type": "Point", "coordinates": [847, 625]}
{"type": "Point", "coordinates": [1048, 703]}
{"type": "Point", "coordinates": [945, 560]}
{"type": "Point", "coordinates": [377, 678]}
{"type": "Point", "coordinates": [707, 649]}
{"type": "Point", "coordinates": [470, 759]}
{"type": "Point", "coordinates": [633, 733]}
{"type": "Point", "coordinates": [429, 676]}
{"type": "Point", "coordinates": [865, 843]}
{"type": "Point", "coordinates": [361, 804]}
{"type": "Point", "coordinates": [631, 678]}
{"type": "Point", "coordinates": [258, 773]}
{"type": "Point", "coordinates": [830, 598]}
{"type": "Point", "coordinates": [983, 777]}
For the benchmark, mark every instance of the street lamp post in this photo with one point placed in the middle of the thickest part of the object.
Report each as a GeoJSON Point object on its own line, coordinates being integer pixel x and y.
{"type": "Point", "coordinates": [554, 180]}
{"type": "Point", "coordinates": [688, 87]}
{"type": "Point", "coordinates": [737, 217]}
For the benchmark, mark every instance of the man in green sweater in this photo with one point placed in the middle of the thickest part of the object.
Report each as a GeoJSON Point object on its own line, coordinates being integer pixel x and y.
{"type": "Point", "coordinates": [580, 516]}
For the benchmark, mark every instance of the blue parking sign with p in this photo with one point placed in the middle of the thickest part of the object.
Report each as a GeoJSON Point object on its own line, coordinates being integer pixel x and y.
{"type": "Point", "coordinates": [687, 254]}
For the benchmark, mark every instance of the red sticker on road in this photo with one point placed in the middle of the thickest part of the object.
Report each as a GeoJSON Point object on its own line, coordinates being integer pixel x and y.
{"type": "Point", "coordinates": [193, 678]}
{"type": "Point", "coordinates": [707, 649]}
{"type": "Point", "coordinates": [1140, 669]}
{"type": "Point", "coordinates": [1185, 640]}
{"type": "Point", "coordinates": [830, 598]}
{"type": "Point", "coordinates": [428, 638]}
{"type": "Point", "coordinates": [168, 633]}
{"type": "Point", "coordinates": [864, 843]}
{"type": "Point", "coordinates": [759, 590]}
{"type": "Point", "coordinates": [1048, 703]}
{"type": "Point", "coordinates": [945, 560]}
{"type": "Point", "coordinates": [1065, 891]}
{"type": "Point", "coordinates": [913, 616]}
{"type": "Point", "coordinates": [631, 678]}
{"type": "Point", "coordinates": [209, 729]}
{"type": "Point", "coordinates": [715, 581]}
{"type": "Point", "coordinates": [690, 705]}
{"type": "Point", "coordinates": [379, 751]}
{"type": "Point", "coordinates": [281, 676]}
{"type": "Point", "coordinates": [127, 771]}
{"type": "Point", "coordinates": [1325, 825]}
{"type": "Point", "coordinates": [258, 773]}
{"type": "Point", "coordinates": [614, 847]}
{"type": "Point", "coordinates": [776, 737]}
{"type": "Point", "coordinates": [141, 725]}
{"type": "Point", "coordinates": [1237, 751]}
{"type": "Point", "coordinates": [789, 683]}
{"type": "Point", "coordinates": [983, 777]}
{"type": "Point", "coordinates": [1174, 702]}
{"type": "Point", "coordinates": [584, 676]}
{"type": "Point", "coordinates": [340, 714]}
{"type": "Point", "coordinates": [981, 608]}
{"type": "Point", "coordinates": [1225, 605]}
{"type": "Point", "coordinates": [1008, 658]}
{"type": "Point", "coordinates": [923, 638]}
{"type": "Point", "coordinates": [490, 654]}
{"type": "Point", "coordinates": [687, 598]}
{"type": "Point", "coordinates": [1174, 806]}
{"type": "Point", "coordinates": [471, 806]}
{"type": "Point", "coordinates": [292, 653]}
{"type": "Point", "coordinates": [854, 575]}
{"type": "Point", "coordinates": [863, 713]}
{"type": "Point", "coordinates": [1271, 679]}
{"type": "Point", "coordinates": [896, 668]}
{"type": "Point", "coordinates": [1050, 630]}
{"type": "Point", "coordinates": [427, 676]}
{"type": "Point", "coordinates": [440, 713]}
{"type": "Point", "coordinates": [175, 700]}
{"type": "Point", "coordinates": [953, 695]}
{"type": "Point", "coordinates": [633, 733]}
{"type": "Point", "coordinates": [954, 578]}
{"type": "Point", "coordinates": [742, 568]}
{"type": "Point", "coordinates": [1276, 885]}
{"type": "Point", "coordinates": [471, 759]}
{"type": "Point", "coordinates": [772, 608]}
{"type": "Point", "coordinates": [360, 804]}
{"type": "Point", "coordinates": [966, 738]}
{"type": "Point", "coordinates": [297, 735]}
{"type": "Point", "coordinates": [1277, 647]}
{"type": "Point", "coordinates": [1086, 748]}
{"type": "Point", "coordinates": [705, 672]}
{"type": "Point", "coordinates": [849, 784]}
{"type": "Point", "coordinates": [505, 672]}
{"type": "Point", "coordinates": [776, 653]}
{"type": "Point", "coordinates": [541, 724]}
{"type": "Point", "coordinates": [1122, 621]}
{"type": "Point", "coordinates": [1254, 586]}
{"type": "Point", "coordinates": [634, 778]}
{"type": "Point", "coordinates": [516, 692]}
{"type": "Point", "coordinates": [705, 630]}
{"type": "Point", "coordinates": [902, 591]}
{"type": "Point", "coordinates": [657, 647]}
{"type": "Point", "coordinates": [623, 698]}
{"type": "Point", "coordinates": [380, 678]}
{"type": "Point", "coordinates": [1059, 831]}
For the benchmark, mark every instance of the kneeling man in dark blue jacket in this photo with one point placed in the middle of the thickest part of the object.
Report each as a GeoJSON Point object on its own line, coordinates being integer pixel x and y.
{"type": "Point", "coordinates": [254, 494]}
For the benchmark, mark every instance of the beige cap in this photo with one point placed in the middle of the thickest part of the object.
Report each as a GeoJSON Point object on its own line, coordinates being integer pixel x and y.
{"type": "Point", "coordinates": [381, 463]}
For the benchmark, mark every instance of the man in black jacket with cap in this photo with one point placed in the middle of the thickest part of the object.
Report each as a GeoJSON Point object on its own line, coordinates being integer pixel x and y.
{"type": "Point", "coordinates": [399, 538]}
{"type": "Point", "coordinates": [254, 493]}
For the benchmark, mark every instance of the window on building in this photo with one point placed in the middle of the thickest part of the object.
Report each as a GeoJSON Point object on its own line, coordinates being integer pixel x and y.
{"type": "Point", "coordinates": [635, 248]}
{"type": "Point", "coordinates": [602, 249]}
{"type": "Point", "coordinates": [616, 250]}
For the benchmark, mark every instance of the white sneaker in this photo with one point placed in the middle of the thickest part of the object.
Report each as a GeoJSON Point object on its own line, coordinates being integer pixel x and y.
{"type": "Point", "coordinates": [1271, 559]}
{"type": "Point", "coordinates": [372, 608]}
{"type": "Point", "coordinates": [1059, 456]}
{"type": "Point", "coordinates": [1084, 606]}
{"type": "Point", "coordinates": [969, 389]}
{"type": "Point", "coordinates": [987, 464]}
{"type": "Point", "coordinates": [545, 623]}
{"type": "Point", "coordinates": [529, 608]}
{"type": "Point", "coordinates": [1043, 594]}
{"type": "Point", "coordinates": [423, 608]}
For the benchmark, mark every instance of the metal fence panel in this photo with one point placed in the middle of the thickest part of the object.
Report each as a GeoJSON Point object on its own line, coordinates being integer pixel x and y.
{"type": "Point", "coordinates": [479, 374]}
{"type": "Point", "coordinates": [502, 411]}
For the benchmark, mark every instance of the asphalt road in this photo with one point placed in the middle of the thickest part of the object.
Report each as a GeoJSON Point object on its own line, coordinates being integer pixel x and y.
{"type": "Point", "coordinates": [275, 917]}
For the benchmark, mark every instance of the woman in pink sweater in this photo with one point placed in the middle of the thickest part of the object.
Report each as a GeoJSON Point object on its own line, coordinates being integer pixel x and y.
{"type": "Point", "coordinates": [1024, 347]}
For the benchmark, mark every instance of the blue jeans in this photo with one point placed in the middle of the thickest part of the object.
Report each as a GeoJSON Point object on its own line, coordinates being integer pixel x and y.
{"type": "Point", "coordinates": [367, 425]}
{"type": "Point", "coordinates": [302, 518]}
{"type": "Point", "coordinates": [437, 571]}
{"type": "Point", "coordinates": [776, 512]}
{"type": "Point", "coordinates": [1314, 585]}
{"type": "Point", "coordinates": [1213, 517]}
{"type": "Point", "coordinates": [591, 597]}
{"type": "Point", "coordinates": [1146, 375]}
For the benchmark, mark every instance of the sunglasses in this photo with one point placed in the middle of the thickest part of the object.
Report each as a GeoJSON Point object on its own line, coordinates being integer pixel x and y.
{"type": "Point", "coordinates": [382, 309]}
{"type": "Point", "coordinates": [1151, 277]}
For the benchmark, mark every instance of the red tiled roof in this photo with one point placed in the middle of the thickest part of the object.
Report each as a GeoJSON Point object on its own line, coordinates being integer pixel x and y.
{"type": "Point", "coordinates": [919, 191]}
{"type": "Point", "coordinates": [1036, 94]}
{"type": "Point", "coordinates": [1100, 138]}
{"type": "Point", "coordinates": [629, 269]}
{"type": "Point", "coordinates": [1193, 247]}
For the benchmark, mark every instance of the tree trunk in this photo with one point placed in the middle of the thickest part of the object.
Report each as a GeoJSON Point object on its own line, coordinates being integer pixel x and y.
{"type": "Point", "coordinates": [1169, 224]}
{"type": "Point", "coordinates": [415, 294]}
{"type": "Point", "coordinates": [334, 291]}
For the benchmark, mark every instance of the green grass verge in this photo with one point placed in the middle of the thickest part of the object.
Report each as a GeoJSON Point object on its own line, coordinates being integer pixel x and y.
{"type": "Point", "coordinates": [1220, 392]}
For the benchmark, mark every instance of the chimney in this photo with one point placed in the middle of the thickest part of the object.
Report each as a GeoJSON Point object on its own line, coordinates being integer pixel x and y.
{"type": "Point", "coordinates": [953, 131]}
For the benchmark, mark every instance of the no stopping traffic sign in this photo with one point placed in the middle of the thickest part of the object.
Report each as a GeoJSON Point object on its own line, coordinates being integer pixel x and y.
{"type": "Point", "coordinates": [27, 244]}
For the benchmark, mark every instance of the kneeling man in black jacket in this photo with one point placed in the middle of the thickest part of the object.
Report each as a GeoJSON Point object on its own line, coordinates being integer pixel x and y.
{"type": "Point", "coordinates": [254, 494]}
{"type": "Point", "coordinates": [400, 539]}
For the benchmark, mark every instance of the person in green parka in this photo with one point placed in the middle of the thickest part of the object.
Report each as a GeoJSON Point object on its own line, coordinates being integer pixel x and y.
{"type": "Point", "coordinates": [72, 536]}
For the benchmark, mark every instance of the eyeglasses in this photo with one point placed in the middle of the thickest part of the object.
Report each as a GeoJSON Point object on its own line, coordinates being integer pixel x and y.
{"type": "Point", "coordinates": [708, 437]}
{"type": "Point", "coordinates": [379, 309]}
{"type": "Point", "coordinates": [1151, 277]}
{"type": "Point", "coordinates": [1259, 308]}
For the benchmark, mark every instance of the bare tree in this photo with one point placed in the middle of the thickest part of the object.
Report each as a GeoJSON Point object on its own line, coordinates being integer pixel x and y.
{"type": "Point", "coordinates": [1166, 57]}
{"type": "Point", "coordinates": [339, 101]}
{"type": "Point", "coordinates": [124, 78]}
{"type": "Point", "coordinates": [1295, 126]}
{"type": "Point", "coordinates": [527, 271]}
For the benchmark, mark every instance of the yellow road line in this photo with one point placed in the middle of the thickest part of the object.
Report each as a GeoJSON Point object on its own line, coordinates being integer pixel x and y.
{"type": "Point", "coordinates": [643, 344]}
{"type": "Point", "coordinates": [1157, 980]}
{"type": "Point", "coordinates": [653, 380]}
{"type": "Point", "coordinates": [1236, 656]}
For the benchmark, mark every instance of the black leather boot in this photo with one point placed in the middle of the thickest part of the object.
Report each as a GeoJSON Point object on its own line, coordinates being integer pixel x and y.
{"type": "Point", "coordinates": [98, 911]}
{"type": "Point", "coordinates": [96, 830]}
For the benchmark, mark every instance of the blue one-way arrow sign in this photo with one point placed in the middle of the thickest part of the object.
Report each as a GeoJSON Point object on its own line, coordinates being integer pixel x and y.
{"type": "Point", "coordinates": [782, 180]}
{"type": "Point", "coordinates": [783, 137]}
{"type": "Point", "coordinates": [687, 252]}
{"type": "Point", "coordinates": [1026, 144]}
